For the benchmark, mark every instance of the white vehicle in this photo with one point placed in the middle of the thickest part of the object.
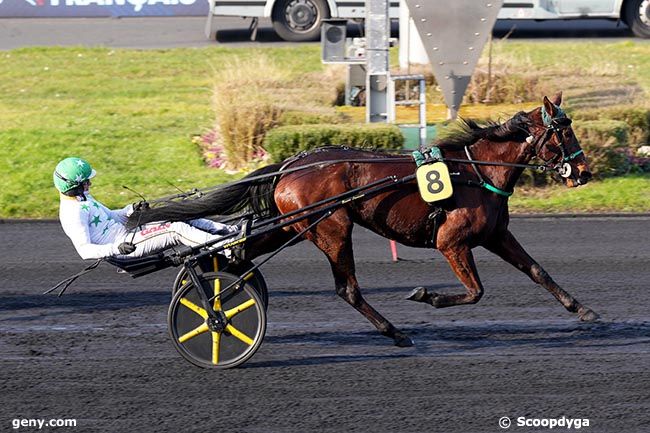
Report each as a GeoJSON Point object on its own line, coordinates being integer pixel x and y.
{"type": "Point", "coordinates": [299, 20]}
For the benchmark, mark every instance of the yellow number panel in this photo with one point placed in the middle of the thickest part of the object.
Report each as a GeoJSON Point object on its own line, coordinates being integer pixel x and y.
{"type": "Point", "coordinates": [434, 182]}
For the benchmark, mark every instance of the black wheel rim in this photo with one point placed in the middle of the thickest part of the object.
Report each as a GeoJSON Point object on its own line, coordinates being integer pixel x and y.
{"type": "Point", "coordinates": [301, 15]}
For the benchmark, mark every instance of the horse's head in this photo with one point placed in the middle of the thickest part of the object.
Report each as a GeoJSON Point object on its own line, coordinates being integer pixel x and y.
{"type": "Point", "coordinates": [556, 144]}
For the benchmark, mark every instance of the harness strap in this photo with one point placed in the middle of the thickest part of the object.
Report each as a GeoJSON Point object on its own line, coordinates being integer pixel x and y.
{"type": "Point", "coordinates": [438, 217]}
{"type": "Point", "coordinates": [496, 190]}
{"type": "Point", "coordinates": [68, 281]}
{"type": "Point", "coordinates": [482, 181]}
{"type": "Point", "coordinates": [573, 155]}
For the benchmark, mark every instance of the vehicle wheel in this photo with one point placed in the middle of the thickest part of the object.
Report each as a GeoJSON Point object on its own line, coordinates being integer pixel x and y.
{"type": "Point", "coordinates": [299, 20]}
{"type": "Point", "coordinates": [221, 263]}
{"type": "Point", "coordinates": [255, 279]}
{"type": "Point", "coordinates": [217, 345]}
{"type": "Point", "coordinates": [637, 17]}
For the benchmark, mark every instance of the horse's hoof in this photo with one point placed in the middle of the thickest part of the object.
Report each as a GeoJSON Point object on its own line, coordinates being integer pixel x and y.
{"type": "Point", "coordinates": [419, 294]}
{"type": "Point", "coordinates": [588, 316]}
{"type": "Point", "coordinates": [402, 340]}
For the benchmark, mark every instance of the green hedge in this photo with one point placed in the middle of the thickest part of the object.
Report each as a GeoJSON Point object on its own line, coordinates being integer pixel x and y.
{"type": "Point", "coordinates": [637, 119]}
{"type": "Point", "coordinates": [307, 118]}
{"type": "Point", "coordinates": [286, 141]}
{"type": "Point", "coordinates": [605, 143]}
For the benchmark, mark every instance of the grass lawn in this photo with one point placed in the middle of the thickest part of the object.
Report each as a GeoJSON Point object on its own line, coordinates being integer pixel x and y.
{"type": "Point", "coordinates": [133, 114]}
{"type": "Point", "coordinates": [621, 194]}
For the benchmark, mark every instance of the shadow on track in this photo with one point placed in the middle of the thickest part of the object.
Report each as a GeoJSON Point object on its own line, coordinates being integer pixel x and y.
{"type": "Point", "coordinates": [395, 290]}
{"type": "Point", "coordinates": [264, 35]}
{"type": "Point", "coordinates": [81, 302]}
{"type": "Point", "coordinates": [559, 29]}
{"type": "Point", "coordinates": [322, 360]}
{"type": "Point", "coordinates": [459, 339]}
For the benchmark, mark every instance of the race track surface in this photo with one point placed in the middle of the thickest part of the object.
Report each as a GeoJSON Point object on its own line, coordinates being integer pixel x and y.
{"type": "Point", "coordinates": [101, 353]}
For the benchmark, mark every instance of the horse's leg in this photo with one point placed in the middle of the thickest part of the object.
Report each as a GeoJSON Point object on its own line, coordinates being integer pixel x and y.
{"type": "Point", "coordinates": [333, 236]}
{"type": "Point", "coordinates": [461, 260]}
{"type": "Point", "coordinates": [507, 247]}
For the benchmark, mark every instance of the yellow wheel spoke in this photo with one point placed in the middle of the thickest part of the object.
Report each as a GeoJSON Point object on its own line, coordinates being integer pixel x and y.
{"type": "Point", "coordinates": [239, 308]}
{"type": "Point", "coordinates": [216, 340]}
{"type": "Point", "coordinates": [193, 333]}
{"type": "Point", "coordinates": [192, 306]}
{"type": "Point", "coordinates": [239, 335]}
{"type": "Point", "coordinates": [217, 291]}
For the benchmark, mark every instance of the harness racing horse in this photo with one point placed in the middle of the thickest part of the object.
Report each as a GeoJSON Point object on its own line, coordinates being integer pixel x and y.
{"type": "Point", "coordinates": [475, 215]}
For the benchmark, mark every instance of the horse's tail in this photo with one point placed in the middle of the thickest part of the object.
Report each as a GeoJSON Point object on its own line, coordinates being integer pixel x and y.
{"type": "Point", "coordinates": [255, 196]}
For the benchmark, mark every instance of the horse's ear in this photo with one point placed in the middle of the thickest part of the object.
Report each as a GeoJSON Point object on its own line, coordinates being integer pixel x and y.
{"type": "Point", "coordinates": [557, 99]}
{"type": "Point", "coordinates": [550, 107]}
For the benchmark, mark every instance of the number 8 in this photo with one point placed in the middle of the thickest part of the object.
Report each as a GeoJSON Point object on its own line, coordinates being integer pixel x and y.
{"type": "Point", "coordinates": [433, 178]}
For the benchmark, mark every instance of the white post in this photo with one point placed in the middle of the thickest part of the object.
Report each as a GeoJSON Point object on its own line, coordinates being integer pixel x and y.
{"type": "Point", "coordinates": [411, 48]}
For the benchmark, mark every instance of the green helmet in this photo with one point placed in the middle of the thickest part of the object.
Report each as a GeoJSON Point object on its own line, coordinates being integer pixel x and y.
{"type": "Point", "coordinates": [71, 173]}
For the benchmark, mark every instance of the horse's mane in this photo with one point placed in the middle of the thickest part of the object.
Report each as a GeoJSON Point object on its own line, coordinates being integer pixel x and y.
{"type": "Point", "coordinates": [466, 132]}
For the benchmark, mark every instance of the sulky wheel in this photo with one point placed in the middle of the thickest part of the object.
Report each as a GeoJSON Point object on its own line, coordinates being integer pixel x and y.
{"type": "Point", "coordinates": [221, 263]}
{"type": "Point", "coordinates": [227, 342]}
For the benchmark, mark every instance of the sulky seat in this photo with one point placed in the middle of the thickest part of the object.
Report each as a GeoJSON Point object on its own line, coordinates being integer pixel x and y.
{"type": "Point", "coordinates": [138, 266]}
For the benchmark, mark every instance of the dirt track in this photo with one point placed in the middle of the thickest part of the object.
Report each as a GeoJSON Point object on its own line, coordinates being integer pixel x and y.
{"type": "Point", "coordinates": [101, 353]}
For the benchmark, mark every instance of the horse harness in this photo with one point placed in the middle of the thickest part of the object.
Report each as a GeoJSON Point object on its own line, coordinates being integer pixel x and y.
{"type": "Point", "coordinates": [553, 126]}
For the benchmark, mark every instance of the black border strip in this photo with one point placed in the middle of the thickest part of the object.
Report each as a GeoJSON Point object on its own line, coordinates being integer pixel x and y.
{"type": "Point", "coordinates": [361, 4]}
{"type": "Point", "coordinates": [240, 3]}
{"type": "Point", "coordinates": [518, 5]}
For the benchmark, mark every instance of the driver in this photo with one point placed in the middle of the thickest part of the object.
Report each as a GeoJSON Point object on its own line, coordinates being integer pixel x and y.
{"type": "Point", "coordinates": [97, 232]}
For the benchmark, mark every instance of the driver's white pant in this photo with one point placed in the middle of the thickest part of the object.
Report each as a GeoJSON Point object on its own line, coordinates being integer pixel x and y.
{"type": "Point", "coordinates": [157, 236]}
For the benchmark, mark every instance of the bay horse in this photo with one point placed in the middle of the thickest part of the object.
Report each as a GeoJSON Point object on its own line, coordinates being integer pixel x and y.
{"type": "Point", "coordinates": [475, 215]}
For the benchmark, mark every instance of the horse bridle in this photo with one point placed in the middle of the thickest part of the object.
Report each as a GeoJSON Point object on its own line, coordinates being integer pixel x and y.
{"type": "Point", "coordinates": [553, 126]}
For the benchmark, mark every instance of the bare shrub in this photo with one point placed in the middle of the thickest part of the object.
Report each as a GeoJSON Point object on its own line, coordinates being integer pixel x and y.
{"type": "Point", "coordinates": [251, 96]}
{"type": "Point", "coordinates": [245, 108]}
{"type": "Point", "coordinates": [502, 85]}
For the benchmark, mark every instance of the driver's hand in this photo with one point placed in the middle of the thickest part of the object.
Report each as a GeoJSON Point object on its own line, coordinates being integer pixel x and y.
{"type": "Point", "coordinates": [126, 248]}
{"type": "Point", "coordinates": [140, 205]}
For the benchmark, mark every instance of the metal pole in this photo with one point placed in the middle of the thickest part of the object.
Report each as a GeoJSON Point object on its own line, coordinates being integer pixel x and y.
{"type": "Point", "coordinates": [377, 58]}
{"type": "Point", "coordinates": [423, 115]}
